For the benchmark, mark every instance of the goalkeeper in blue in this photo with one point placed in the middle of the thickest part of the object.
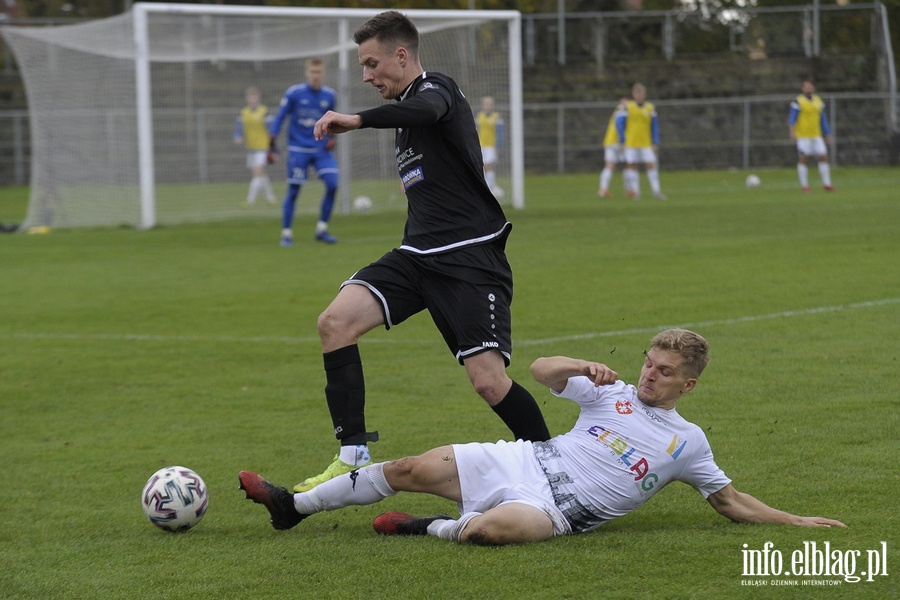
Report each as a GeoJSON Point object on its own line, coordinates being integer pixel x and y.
{"type": "Point", "coordinates": [302, 105]}
{"type": "Point", "coordinates": [809, 128]}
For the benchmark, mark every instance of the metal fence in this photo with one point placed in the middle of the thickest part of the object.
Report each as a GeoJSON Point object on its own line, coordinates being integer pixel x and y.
{"type": "Point", "coordinates": [715, 133]}
{"type": "Point", "coordinates": [721, 132]}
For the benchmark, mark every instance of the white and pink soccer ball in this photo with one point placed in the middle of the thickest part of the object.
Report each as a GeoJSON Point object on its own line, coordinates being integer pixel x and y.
{"type": "Point", "coordinates": [175, 499]}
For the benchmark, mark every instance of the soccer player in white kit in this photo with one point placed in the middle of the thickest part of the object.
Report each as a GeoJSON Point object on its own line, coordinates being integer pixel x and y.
{"type": "Point", "coordinates": [627, 444]}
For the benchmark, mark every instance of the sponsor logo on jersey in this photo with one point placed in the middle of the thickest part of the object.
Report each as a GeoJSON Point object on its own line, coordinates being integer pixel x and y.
{"type": "Point", "coordinates": [411, 178]}
{"type": "Point", "coordinates": [645, 479]}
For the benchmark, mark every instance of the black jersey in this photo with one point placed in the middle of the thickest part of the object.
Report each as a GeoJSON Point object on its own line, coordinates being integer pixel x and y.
{"type": "Point", "coordinates": [439, 161]}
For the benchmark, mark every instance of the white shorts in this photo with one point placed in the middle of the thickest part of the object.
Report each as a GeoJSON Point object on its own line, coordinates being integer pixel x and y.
{"type": "Point", "coordinates": [256, 158]}
{"type": "Point", "coordinates": [503, 472]}
{"type": "Point", "coordinates": [489, 155]}
{"type": "Point", "coordinates": [811, 146]}
{"type": "Point", "coordinates": [634, 156]}
{"type": "Point", "coordinates": [613, 154]}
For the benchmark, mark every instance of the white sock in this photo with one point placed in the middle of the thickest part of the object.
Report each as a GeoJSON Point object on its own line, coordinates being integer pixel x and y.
{"type": "Point", "coordinates": [254, 188]}
{"type": "Point", "coordinates": [653, 176]}
{"type": "Point", "coordinates": [320, 227]}
{"type": "Point", "coordinates": [357, 456]}
{"type": "Point", "coordinates": [451, 530]}
{"type": "Point", "coordinates": [825, 173]}
{"type": "Point", "coordinates": [803, 174]}
{"type": "Point", "coordinates": [287, 233]}
{"type": "Point", "coordinates": [605, 177]}
{"type": "Point", "coordinates": [364, 486]}
{"type": "Point", "coordinates": [633, 181]}
{"type": "Point", "coordinates": [267, 188]}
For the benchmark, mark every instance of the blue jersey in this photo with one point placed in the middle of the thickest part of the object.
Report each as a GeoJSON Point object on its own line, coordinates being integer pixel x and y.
{"type": "Point", "coordinates": [303, 106]}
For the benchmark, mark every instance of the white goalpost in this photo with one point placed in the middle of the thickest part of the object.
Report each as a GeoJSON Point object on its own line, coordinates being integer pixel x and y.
{"type": "Point", "coordinates": [132, 116]}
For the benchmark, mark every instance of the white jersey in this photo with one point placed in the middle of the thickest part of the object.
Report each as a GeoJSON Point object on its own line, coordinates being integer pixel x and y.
{"type": "Point", "coordinates": [620, 453]}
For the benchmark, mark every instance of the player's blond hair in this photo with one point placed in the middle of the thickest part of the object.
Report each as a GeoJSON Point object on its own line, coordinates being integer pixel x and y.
{"type": "Point", "coordinates": [691, 346]}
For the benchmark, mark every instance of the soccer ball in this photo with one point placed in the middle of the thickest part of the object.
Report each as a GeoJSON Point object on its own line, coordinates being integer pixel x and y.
{"type": "Point", "coordinates": [175, 499]}
{"type": "Point", "coordinates": [362, 204]}
{"type": "Point", "coordinates": [753, 181]}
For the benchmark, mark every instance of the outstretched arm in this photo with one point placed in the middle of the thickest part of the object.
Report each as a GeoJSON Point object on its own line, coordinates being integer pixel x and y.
{"type": "Point", "coordinates": [554, 372]}
{"type": "Point", "coordinates": [744, 508]}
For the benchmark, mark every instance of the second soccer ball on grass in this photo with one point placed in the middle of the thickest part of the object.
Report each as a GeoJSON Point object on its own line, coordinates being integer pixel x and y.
{"type": "Point", "coordinates": [362, 204]}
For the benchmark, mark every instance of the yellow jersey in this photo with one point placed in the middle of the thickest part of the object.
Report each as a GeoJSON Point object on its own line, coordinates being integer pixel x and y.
{"type": "Point", "coordinates": [611, 138]}
{"type": "Point", "coordinates": [807, 117]}
{"type": "Point", "coordinates": [490, 129]}
{"type": "Point", "coordinates": [253, 127]}
{"type": "Point", "coordinates": [640, 125]}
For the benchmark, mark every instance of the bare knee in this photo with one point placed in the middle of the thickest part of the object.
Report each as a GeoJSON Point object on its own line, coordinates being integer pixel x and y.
{"type": "Point", "coordinates": [406, 474]}
{"type": "Point", "coordinates": [511, 523]}
{"type": "Point", "coordinates": [329, 321]}
{"type": "Point", "coordinates": [333, 329]}
{"type": "Point", "coordinates": [492, 390]}
{"type": "Point", "coordinates": [483, 534]}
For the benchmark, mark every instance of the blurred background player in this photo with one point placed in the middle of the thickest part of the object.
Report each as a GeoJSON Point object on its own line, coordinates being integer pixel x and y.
{"type": "Point", "coordinates": [252, 130]}
{"type": "Point", "coordinates": [304, 104]}
{"type": "Point", "coordinates": [638, 129]}
{"type": "Point", "coordinates": [807, 125]}
{"type": "Point", "coordinates": [490, 135]}
{"type": "Point", "coordinates": [612, 150]}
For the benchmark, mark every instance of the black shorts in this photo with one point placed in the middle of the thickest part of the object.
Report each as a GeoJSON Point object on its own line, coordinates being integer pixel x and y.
{"type": "Point", "coordinates": [468, 293]}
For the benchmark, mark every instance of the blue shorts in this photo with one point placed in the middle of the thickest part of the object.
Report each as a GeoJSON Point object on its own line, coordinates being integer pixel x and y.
{"type": "Point", "coordinates": [298, 164]}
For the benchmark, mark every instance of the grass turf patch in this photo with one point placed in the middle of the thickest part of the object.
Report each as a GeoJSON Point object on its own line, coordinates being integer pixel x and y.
{"type": "Point", "coordinates": [125, 351]}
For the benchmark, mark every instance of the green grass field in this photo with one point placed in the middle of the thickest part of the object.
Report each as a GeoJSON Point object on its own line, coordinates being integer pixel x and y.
{"type": "Point", "coordinates": [124, 351]}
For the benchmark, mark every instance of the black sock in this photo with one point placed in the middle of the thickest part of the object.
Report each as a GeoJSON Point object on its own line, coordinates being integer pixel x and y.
{"type": "Point", "coordinates": [520, 412]}
{"type": "Point", "coordinates": [345, 392]}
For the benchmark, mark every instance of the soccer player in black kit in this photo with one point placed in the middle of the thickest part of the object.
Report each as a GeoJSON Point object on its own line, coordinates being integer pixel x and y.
{"type": "Point", "coordinates": [451, 261]}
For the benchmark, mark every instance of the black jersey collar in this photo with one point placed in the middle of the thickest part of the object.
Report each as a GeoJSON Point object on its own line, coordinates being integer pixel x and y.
{"type": "Point", "coordinates": [410, 86]}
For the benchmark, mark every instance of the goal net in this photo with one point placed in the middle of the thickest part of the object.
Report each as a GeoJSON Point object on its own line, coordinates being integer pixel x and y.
{"type": "Point", "coordinates": [132, 117]}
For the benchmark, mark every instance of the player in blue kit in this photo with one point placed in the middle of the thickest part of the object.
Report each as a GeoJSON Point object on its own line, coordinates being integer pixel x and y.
{"type": "Point", "coordinates": [303, 105]}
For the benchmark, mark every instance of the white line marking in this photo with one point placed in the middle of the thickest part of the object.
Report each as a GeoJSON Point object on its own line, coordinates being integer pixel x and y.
{"type": "Point", "coordinates": [380, 340]}
{"type": "Point", "coordinates": [699, 324]}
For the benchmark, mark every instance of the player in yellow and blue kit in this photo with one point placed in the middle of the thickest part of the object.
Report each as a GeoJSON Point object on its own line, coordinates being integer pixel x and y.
{"type": "Point", "coordinates": [638, 129]}
{"type": "Point", "coordinates": [303, 105]}
{"type": "Point", "coordinates": [613, 153]}
{"type": "Point", "coordinates": [490, 136]}
{"type": "Point", "coordinates": [252, 130]}
{"type": "Point", "coordinates": [809, 127]}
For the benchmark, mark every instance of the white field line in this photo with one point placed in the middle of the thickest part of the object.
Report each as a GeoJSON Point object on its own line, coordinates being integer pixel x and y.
{"type": "Point", "coordinates": [135, 337]}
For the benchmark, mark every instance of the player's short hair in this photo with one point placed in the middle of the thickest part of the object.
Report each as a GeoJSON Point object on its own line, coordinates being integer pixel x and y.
{"type": "Point", "coordinates": [314, 62]}
{"type": "Point", "coordinates": [391, 29]}
{"type": "Point", "coordinates": [691, 346]}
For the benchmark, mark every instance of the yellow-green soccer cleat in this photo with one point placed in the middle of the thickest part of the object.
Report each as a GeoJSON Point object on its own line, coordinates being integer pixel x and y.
{"type": "Point", "coordinates": [338, 467]}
